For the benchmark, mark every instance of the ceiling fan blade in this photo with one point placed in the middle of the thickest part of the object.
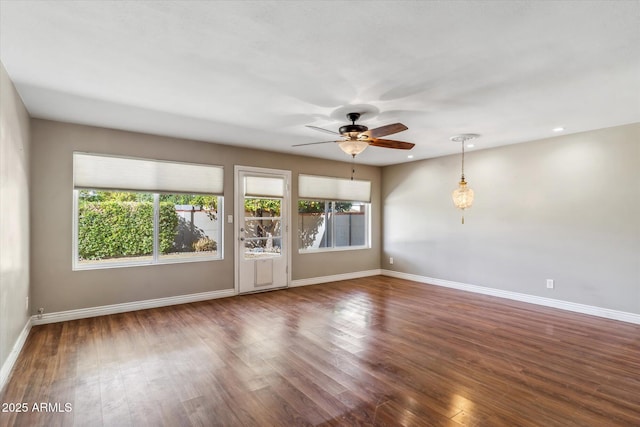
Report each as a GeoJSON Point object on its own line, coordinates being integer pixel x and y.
{"type": "Point", "coordinates": [313, 143]}
{"type": "Point", "coordinates": [390, 143]}
{"type": "Point", "coordinates": [323, 130]}
{"type": "Point", "coordinates": [385, 130]}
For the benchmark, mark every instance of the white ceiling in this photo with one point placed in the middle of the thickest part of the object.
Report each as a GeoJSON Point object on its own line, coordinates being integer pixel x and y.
{"type": "Point", "coordinates": [254, 73]}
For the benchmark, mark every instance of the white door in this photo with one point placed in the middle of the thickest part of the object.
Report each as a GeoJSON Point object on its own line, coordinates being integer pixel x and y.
{"type": "Point", "coordinates": [262, 229]}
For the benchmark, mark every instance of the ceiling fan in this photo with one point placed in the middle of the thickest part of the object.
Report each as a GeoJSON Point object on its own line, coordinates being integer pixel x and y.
{"type": "Point", "coordinates": [356, 138]}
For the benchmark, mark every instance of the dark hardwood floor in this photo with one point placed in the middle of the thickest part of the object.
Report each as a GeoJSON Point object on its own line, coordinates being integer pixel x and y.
{"type": "Point", "coordinates": [373, 351]}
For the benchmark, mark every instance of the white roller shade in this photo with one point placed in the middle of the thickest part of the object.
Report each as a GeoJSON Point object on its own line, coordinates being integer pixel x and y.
{"type": "Point", "coordinates": [119, 173]}
{"type": "Point", "coordinates": [261, 186]}
{"type": "Point", "coordinates": [328, 188]}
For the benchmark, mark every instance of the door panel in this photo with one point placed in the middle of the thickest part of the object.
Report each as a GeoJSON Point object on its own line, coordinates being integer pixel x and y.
{"type": "Point", "coordinates": [262, 229]}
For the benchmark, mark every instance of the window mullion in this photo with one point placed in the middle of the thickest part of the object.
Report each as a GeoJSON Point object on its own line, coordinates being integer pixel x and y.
{"type": "Point", "coordinates": [156, 227]}
{"type": "Point", "coordinates": [367, 224]}
{"type": "Point", "coordinates": [332, 210]}
{"type": "Point", "coordinates": [327, 208]}
{"type": "Point", "coordinates": [75, 229]}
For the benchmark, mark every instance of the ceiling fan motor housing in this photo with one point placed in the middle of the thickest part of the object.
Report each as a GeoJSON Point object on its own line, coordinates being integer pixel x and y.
{"type": "Point", "coordinates": [348, 129]}
{"type": "Point", "coordinates": [353, 129]}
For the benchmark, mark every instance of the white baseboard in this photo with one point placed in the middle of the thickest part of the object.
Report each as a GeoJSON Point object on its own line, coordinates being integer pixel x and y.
{"type": "Point", "coordinates": [7, 366]}
{"type": "Point", "coordinates": [83, 313]}
{"type": "Point", "coordinates": [334, 278]}
{"type": "Point", "coordinates": [547, 302]}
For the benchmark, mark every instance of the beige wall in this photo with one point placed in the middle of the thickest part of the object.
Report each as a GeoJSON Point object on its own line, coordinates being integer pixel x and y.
{"type": "Point", "coordinates": [14, 215]}
{"type": "Point", "coordinates": [55, 287]}
{"type": "Point", "coordinates": [557, 208]}
{"type": "Point", "coordinates": [565, 208]}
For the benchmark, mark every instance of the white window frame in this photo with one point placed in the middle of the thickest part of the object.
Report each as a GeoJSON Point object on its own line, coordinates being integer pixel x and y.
{"type": "Point", "coordinates": [156, 258]}
{"type": "Point", "coordinates": [333, 190]}
{"type": "Point", "coordinates": [104, 172]}
{"type": "Point", "coordinates": [367, 229]}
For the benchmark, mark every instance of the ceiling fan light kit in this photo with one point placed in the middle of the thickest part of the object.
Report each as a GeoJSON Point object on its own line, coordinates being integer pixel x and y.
{"type": "Point", "coordinates": [353, 147]}
{"type": "Point", "coordinates": [463, 196]}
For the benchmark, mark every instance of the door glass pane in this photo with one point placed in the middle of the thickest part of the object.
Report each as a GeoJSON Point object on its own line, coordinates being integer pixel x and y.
{"type": "Point", "coordinates": [262, 230]}
{"type": "Point", "coordinates": [255, 207]}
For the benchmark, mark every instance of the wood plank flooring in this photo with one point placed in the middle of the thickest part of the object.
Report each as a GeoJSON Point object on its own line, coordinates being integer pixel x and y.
{"type": "Point", "coordinates": [372, 351]}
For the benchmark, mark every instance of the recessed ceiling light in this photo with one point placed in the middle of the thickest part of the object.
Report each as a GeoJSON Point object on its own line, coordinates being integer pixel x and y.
{"type": "Point", "coordinates": [410, 156]}
{"type": "Point", "coordinates": [471, 145]}
{"type": "Point", "coordinates": [558, 129]}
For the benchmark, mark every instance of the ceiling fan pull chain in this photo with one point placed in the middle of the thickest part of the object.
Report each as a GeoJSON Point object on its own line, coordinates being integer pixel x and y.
{"type": "Point", "coordinates": [353, 166]}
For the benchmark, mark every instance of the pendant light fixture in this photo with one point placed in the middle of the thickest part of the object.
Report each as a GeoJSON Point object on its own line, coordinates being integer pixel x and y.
{"type": "Point", "coordinates": [463, 195]}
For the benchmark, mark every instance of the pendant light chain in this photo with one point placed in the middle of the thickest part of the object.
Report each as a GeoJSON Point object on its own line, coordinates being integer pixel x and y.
{"type": "Point", "coordinates": [353, 166]}
{"type": "Point", "coordinates": [462, 177]}
{"type": "Point", "coordinates": [463, 160]}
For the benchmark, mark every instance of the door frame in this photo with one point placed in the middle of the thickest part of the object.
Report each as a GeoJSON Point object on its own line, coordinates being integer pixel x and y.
{"type": "Point", "coordinates": [286, 207]}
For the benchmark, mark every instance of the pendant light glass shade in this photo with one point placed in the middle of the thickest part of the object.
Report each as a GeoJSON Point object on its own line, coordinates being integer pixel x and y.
{"type": "Point", "coordinates": [353, 146]}
{"type": "Point", "coordinates": [462, 196]}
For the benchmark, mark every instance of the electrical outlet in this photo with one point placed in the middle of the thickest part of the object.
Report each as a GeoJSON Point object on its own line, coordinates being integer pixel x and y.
{"type": "Point", "coordinates": [390, 260]}
{"type": "Point", "coordinates": [549, 283]}
{"type": "Point", "coordinates": [40, 312]}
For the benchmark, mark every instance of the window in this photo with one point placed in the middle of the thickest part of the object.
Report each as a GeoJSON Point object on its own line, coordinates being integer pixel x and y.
{"type": "Point", "coordinates": [196, 232]}
{"type": "Point", "coordinates": [333, 213]}
{"type": "Point", "coordinates": [324, 225]}
{"type": "Point", "coordinates": [113, 227]}
{"type": "Point", "coordinates": [136, 211]}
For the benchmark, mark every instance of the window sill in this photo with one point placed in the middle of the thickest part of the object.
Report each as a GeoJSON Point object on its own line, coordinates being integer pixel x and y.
{"type": "Point", "coordinates": [84, 267]}
{"type": "Point", "coordinates": [340, 249]}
